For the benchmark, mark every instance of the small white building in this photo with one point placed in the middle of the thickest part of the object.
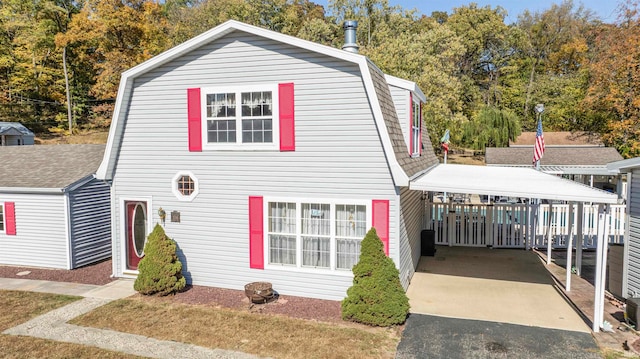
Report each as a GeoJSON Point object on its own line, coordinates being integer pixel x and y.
{"type": "Point", "coordinates": [53, 212]}
{"type": "Point", "coordinates": [15, 134]}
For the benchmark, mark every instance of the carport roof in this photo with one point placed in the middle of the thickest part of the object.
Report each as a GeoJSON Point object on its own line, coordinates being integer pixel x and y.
{"type": "Point", "coordinates": [507, 181]}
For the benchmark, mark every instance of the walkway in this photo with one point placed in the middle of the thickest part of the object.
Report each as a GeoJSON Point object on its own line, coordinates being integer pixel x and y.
{"type": "Point", "coordinates": [53, 325]}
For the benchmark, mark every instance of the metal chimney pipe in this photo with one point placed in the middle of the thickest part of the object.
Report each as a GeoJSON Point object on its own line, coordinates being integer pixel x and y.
{"type": "Point", "coordinates": [350, 44]}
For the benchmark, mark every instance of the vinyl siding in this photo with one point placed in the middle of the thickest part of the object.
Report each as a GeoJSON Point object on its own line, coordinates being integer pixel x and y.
{"type": "Point", "coordinates": [401, 102]}
{"type": "Point", "coordinates": [40, 239]}
{"type": "Point", "coordinates": [90, 230]}
{"type": "Point", "coordinates": [633, 240]}
{"type": "Point", "coordinates": [411, 213]}
{"type": "Point", "coordinates": [338, 156]}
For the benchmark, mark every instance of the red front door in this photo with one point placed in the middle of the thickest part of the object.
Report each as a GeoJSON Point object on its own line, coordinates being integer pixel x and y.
{"type": "Point", "coordinates": [136, 232]}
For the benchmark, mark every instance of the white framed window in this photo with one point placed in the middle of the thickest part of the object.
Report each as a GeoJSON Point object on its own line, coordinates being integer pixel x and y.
{"type": "Point", "coordinates": [185, 186]}
{"type": "Point", "coordinates": [416, 121]}
{"type": "Point", "coordinates": [240, 117]}
{"type": "Point", "coordinates": [315, 234]}
{"type": "Point", "coordinates": [1, 217]}
{"type": "Point", "coordinates": [351, 227]}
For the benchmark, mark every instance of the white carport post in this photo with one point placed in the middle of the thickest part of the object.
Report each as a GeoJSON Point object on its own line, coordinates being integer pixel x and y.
{"type": "Point", "coordinates": [601, 268]}
{"type": "Point", "coordinates": [579, 238]}
{"type": "Point", "coordinates": [569, 248]}
{"type": "Point", "coordinates": [549, 234]}
{"type": "Point", "coordinates": [528, 226]}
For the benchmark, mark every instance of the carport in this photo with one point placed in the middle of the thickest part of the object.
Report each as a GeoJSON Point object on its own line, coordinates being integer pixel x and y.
{"type": "Point", "coordinates": [515, 182]}
{"type": "Point", "coordinates": [500, 285]}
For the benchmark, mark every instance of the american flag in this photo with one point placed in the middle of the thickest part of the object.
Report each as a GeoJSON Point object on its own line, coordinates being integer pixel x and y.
{"type": "Point", "coordinates": [538, 148]}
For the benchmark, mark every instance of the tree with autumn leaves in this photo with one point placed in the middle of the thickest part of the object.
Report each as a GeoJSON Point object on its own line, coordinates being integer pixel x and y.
{"type": "Point", "coordinates": [613, 96]}
{"type": "Point", "coordinates": [61, 60]}
{"type": "Point", "coordinates": [108, 37]}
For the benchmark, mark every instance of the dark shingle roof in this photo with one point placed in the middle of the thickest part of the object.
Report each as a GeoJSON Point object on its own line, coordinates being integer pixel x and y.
{"type": "Point", "coordinates": [562, 156]}
{"type": "Point", "coordinates": [53, 166]}
{"type": "Point", "coordinates": [411, 166]}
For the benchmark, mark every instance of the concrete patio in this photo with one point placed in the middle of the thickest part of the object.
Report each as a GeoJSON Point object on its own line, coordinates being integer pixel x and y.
{"type": "Point", "coordinates": [499, 285]}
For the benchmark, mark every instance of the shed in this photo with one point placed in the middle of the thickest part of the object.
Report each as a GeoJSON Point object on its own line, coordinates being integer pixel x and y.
{"type": "Point", "coordinates": [53, 211]}
{"type": "Point", "coordinates": [15, 134]}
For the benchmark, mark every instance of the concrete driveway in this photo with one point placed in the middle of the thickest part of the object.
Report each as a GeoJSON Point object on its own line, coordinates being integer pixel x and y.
{"type": "Point", "coordinates": [496, 285]}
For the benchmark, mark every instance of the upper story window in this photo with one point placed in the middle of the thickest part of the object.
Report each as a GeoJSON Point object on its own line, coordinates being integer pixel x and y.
{"type": "Point", "coordinates": [315, 235]}
{"type": "Point", "coordinates": [240, 117]}
{"type": "Point", "coordinates": [416, 121]}
{"type": "Point", "coordinates": [1, 218]}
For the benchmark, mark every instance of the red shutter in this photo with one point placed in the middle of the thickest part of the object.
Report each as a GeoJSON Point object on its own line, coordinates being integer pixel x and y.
{"type": "Point", "coordinates": [287, 117]}
{"type": "Point", "coordinates": [256, 233]}
{"type": "Point", "coordinates": [194, 115]}
{"type": "Point", "coordinates": [410, 124]}
{"type": "Point", "coordinates": [10, 218]}
{"type": "Point", "coordinates": [420, 137]}
{"type": "Point", "coordinates": [380, 221]}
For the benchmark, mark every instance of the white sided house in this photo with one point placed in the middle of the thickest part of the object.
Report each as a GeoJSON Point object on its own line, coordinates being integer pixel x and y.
{"type": "Point", "coordinates": [266, 158]}
{"type": "Point", "coordinates": [53, 212]}
{"type": "Point", "coordinates": [631, 257]}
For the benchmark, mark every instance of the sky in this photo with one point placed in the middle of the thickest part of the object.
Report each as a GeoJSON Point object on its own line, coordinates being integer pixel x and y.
{"type": "Point", "coordinates": [603, 9]}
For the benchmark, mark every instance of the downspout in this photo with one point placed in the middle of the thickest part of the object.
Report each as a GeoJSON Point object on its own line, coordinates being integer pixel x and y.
{"type": "Point", "coordinates": [625, 261]}
{"type": "Point", "coordinates": [67, 229]}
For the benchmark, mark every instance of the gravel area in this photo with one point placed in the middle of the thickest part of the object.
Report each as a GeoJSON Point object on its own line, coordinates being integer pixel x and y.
{"type": "Point", "coordinates": [98, 274]}
{"type": "Point", "coordinates": [296, 307]}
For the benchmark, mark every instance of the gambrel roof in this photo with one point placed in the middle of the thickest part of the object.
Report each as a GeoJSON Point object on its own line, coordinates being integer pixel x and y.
{"type": "Point", "coordinates": [402, 165]}
{"type": "Point", "coordinates": [47, 168]}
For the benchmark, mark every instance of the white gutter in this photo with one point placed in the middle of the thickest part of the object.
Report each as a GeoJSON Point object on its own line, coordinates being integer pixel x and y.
{"type": "Point", "coordinates": [27, 190]}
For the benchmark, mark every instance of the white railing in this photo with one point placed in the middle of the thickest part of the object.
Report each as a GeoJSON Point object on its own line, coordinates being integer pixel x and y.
{"type": "Point", "coordinates": [507, 225]}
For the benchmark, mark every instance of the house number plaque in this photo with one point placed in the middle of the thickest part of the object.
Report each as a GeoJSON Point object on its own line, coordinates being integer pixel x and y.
{"type": "Point", "coordinates": [175, 216]}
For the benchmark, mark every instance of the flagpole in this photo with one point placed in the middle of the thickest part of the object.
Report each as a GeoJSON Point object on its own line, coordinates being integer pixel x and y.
{"type": "Point", "coordinates": [444, 196]}
{"type": "Point", "coordinates": [539, 110]}
{"type": "Point", "coordinates": [538, 151]}
{"type": "Point", "coordinates": [444, 143]}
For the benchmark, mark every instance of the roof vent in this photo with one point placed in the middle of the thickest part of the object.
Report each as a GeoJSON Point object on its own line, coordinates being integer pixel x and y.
{"type": "Point", "coordinates": [350, 44]}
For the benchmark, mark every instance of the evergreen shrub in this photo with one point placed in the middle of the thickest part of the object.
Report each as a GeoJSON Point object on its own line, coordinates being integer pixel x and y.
{"type": "Point", "coordinates": [376, 296]}
{"type": "Point", "coordinates": [160, 270]}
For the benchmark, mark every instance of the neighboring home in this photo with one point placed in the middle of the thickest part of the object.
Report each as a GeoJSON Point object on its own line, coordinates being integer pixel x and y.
{"type": "Point", "coordinates": [631, 259]}
{"type": "Point", "coordinates": [53, 212]}
{"type": "Point", "coordinates": [15, 134]}
{"type": "Point", "coordinates": [579, 156]}
{"type": "Point", "coordinates": [266, 158]}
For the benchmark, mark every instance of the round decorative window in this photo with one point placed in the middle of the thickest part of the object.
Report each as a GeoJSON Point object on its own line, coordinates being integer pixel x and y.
{"type": "Point", "coordinates": [185, 186]}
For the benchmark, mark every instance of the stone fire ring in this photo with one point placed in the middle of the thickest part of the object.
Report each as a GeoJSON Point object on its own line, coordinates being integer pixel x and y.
{"type": "Point", "coordinates": [259, 292]}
